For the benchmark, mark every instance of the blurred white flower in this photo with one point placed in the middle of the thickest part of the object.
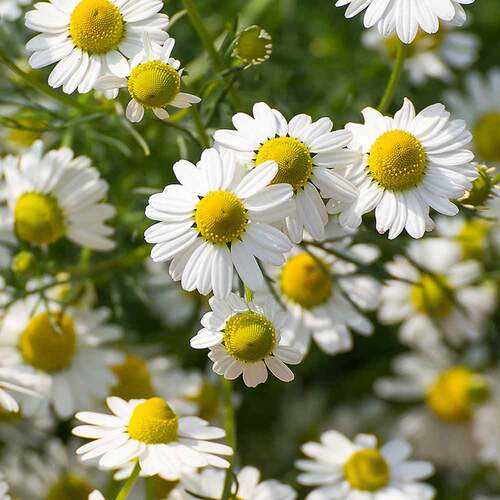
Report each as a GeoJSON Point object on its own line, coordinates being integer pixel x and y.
{"type": "Point", "coordinates": [10, 10]}
{"type": "Point", "coordinates": [4, 489]}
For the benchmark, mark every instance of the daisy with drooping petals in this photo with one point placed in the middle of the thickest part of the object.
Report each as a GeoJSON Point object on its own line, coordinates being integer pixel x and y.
{"type": "Point", "coordinates": [91, 38]}
{"type": "Point", "coordinates": [405, 17]}
{"type": "Point", "coordinates": [154, 82]}
{"type": "Point", "coordinates": [218, 218]}
{"type": "Point", "coordinates": [245, 339]}
{"type": "Point", "coordinates": [56, 195]}
{"type": "Point", "coordinates": [351, 470]}
{"type": "Point", "coordinates": [412, 163]}
{"type": "Point", "coordinates": [311, 158]}
{"type": "Point", "coordinates": [247, 486]}
{"type": "Point", "coordinates": [150, 432]}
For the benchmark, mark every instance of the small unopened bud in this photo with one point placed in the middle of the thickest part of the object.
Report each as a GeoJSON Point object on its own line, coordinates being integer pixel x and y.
{"type": "Point", "coordinates": [481, 188]}
{"type": "Point", "coordinates": [23, 263]}
{"type": "Point", "coordinates": [253, 45]}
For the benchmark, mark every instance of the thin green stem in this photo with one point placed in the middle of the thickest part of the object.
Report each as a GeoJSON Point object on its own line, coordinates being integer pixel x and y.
{"type": "Point", "coordinates": [203, 138]}
{"type": "Point", "coordinates": [230, 427]}
{"type": "Point", "coordinates": [129, 483]}
{"type": "Point", "coordinates": [394, 78]}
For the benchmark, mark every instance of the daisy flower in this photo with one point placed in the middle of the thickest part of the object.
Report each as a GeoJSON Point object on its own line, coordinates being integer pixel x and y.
{"type": "Point", "coordinates": [480, 108]}
{"type": "Point", "coordinates": [10, 10]}
{"type": "Point", "coordinates": [150, 432]}
{"type": "Point", "coordinates": [62, 350]}
{"type": "Point", "coordinates": [245, 338]}
{"type": "Point", "coordinates": [350, 470]}
{"type": "Point", "coordinates": [91, 38]}
{"type": "Point", "coordinates": [218, 218]}
{"type": "Point", "coordinates": [153, 82]}
{"type": "Point", "coordinates": [311, 158]}
{"type": "Point", "coordinates": [405, 17]}
{"type": "Point", "coordinates": [19, 389]}
{"type": "Point", "coordinates": [430, 56]}
{"type": "Point", "coordinates": [247, 486]}
{"type": "Point", "coordinates": [434, 294]}
{"type": "Point", "coordinates": [253, 46]}
{"type": "Point", "coordinates": [55, 195]}
{"type": "Point", "coordinates": [412, 163]}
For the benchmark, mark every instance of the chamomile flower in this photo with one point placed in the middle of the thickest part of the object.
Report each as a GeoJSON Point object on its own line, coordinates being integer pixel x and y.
{"type": "Point", "coordinates": [55, 195]}
{"type": "Point", "coordinates": [91, 38]}
{"type": "Point", "coordinates": [19, 389]}
{"type": "Point", "coordinates": [434, 294]}
{"type": "Point", "coordinates": [218, 218]}
{"type": "Point", "coordinates": [480, 108]}
{"type": "Point", "coordinates": [154, 82]}
{"type": "Point", "coordinates": [349, 470]}
{"type": "Point", "coordinates": [245, 339]}
{"type": "Point", "coordinates": [311, 158]}
{"type": "Point", "coordinates": [63, 350]}
{"type": "Point", "coordinates": [10, 10]}
{"type": "Point", "coordinates": [405, 17]}
{"type": "Point", "coordinates": [150, 432]}
{"type": "Point", "coordinates": [252, 46]}
{"type": "Point", "coordinates": [247, 486]}
{"type": "Point", "coordinates": [412, 163]}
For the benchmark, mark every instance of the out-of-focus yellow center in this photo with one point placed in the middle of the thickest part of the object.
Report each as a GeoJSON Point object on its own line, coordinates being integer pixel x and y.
{"type": "Point", "coordinates": [96, 26]}
{"type": "Point", "coordinates": [487, 136]}
{"type": "Point", "coordinates": [70, 487]}
{"type": "Point", "coordinates": [397, 160]}
{"type": "Point", "coordinates": [48, 343]}
{"type": "Point", "coordinates": [253, 45]}
{"type": "Point", "coordinates": [25, 137]}
{"type": "Point", "coordinates": [367, 470]}
{"type": "Point", "coordinates": [305, 281]}
{"type": "Point", "coordinates": [472, 238]}
{"type": "Point", "coordinates": [220, 217]}
{"type": "Point", "coordinates": [432, 296]}
{"type": "Point", "coordinates": [454, 394]}
{"type": "Point", "coordinates": [207, 401]}
{"type": "Point", "coordinates": [9, 417]}
{"type": "Point", "coordinates": [249, 336]}
{"type": "Point", "coordinates": [153, 422]}
{"type": "Point", "coordinates": [295, 164]}
{"type": "Point", "coordinates": [134, 379]}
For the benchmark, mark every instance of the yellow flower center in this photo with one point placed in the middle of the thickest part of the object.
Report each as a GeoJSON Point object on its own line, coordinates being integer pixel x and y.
{"type": "Point", "coordinates": [97, 26]}
{"type": "Point", "coordinates": [134, 380]}
{"type": "Point", "coordinates": [207, 401]}
{"type": "Point", "coordinates": [305, 281]}
{"type": "Point", "coordinates": [153, 422]}
{"type": "Point", "coordinates": [48, 343]}
{"type": "Point", "coordinates": [70, 488]}
{"type": "Point", "coordinates": [253, 45]}
{"type": "Point", "coordinates": [432, 296]}
{"type": "Point", "coordinates": [38, 219]}
{"type": "Point", "coordinates": [367, 470]}
{"type": "Point", "coordinates": [455, 392]}
{"type": "Point", "coordinates": [249, 336]}
{"type": "Point", "coordinates": [487, 136]}
{"type": "Point", "coordinates": [25, 137]}
{"type": "Point", "coordinates": [220, 217]}
{"type": "Point", "coordinates": [154, 84]}
{"type": "Point", "coordinates": [472, 238]}
{"type": "Point", "coordinates": [397, 160]}
{"type": "Point", "coordinates": [295, 164]}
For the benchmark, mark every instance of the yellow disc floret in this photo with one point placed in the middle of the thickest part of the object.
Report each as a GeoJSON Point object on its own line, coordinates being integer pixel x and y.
{"type": "Point", "coordinates": [153, 422]}
{"type": "Point", "coordinates": [220, 217]}
{"type": "Point", "coordinates": [397, 160]}
{"type": "Point", "coordinates": [487, 136]}
{"type": "Point", "coordinates": [367, 470]}
{"type": "Point", "coordinates": [154, 84]}
{"type": "Point", "coordinates": [134, 380]}
{"type": "Point", "coordinates": [48, 343]}
{"type": "Point", "coordinates": [454, 394]}
{"type": "Point", "coordinates": [96, 26]}
{"type": "Point", "coordinates": [70, 487]}
{"type": "Point", "coordinates": [305, 281]}
{"type": "Point", "coordinates": [253, 45]}
{"type": "Point", "coordinates": [249, 336]}
{"type": "Point", "coordinates": [38, 219]}
{"type": "Point", "coordinates": [432, 296]}
{"type": "Point", "coordinates": [295, 164]}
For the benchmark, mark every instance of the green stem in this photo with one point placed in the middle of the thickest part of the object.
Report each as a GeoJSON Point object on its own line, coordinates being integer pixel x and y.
{"type": "Point", "coordinates": [129, 483]}
{"type": "Point", "coordinates": [200, 128]}
{"type": "Point", "coordinates": [394, 78]}
{"type": "Point", "coordinates": [230, 427]}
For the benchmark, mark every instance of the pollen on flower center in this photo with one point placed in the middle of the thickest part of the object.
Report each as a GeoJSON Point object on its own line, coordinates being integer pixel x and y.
{"type": "Point", "coordinates": [96, 26]}
{"type": "Point", "coordinates": [249, 336]}
{"type": "Point", "coordinates": [295, 164]}
{"type": "Point", "coordinates": [38, 219]}
{"type": "Point", "coordinates": [487, 136]}
{"type": "Point", "coordinates": [367, 470]}
{"type": "Point", "coordinates": [153, 422]}
{"type": "Point", "coordinates": [455, 392]}
{"type": "Point", "coordinates": [134, 379]}
{"type": "Point", "coordinates": [220, 217]}
{"type": "Point", "coordinates": [154, 84]}
{"type": "Point", "coordinates": [432, 296]}
{"type": "Point", "coordinates": [70, 487]}
{"type": "Point", "coordinates": [48, 343]}
{"type": "Point", "coordinates": [305, 281]}
{"type": "Point", "coordinates": [397, 160]}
